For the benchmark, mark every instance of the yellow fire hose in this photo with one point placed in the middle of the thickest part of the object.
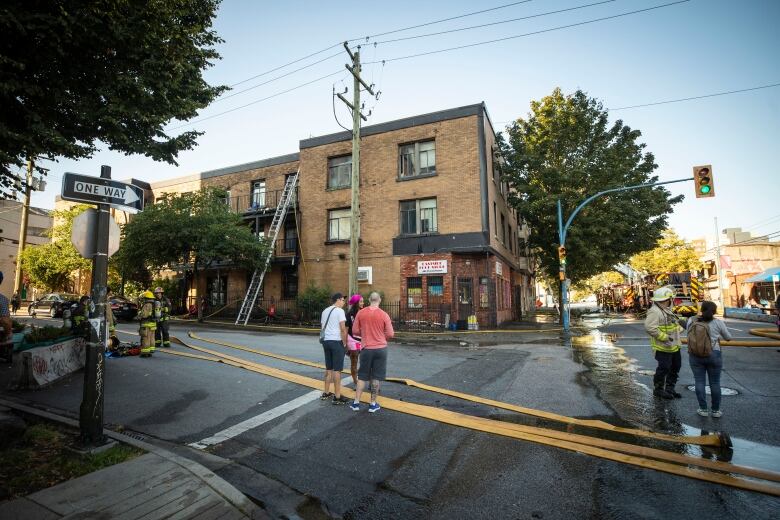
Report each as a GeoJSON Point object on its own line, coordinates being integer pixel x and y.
{"type": "Point", "coordinates": [610, 450]}
{"type": "Point", "coordinates": [703, 440]}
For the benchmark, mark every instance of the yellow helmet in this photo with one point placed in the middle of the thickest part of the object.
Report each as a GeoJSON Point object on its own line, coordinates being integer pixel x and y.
{"type": "Point", "coordinates": [148, 294]}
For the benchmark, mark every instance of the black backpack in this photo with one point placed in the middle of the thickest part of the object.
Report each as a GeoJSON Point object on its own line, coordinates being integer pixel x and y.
{"type": "Point", "coordinates": [699, 341]}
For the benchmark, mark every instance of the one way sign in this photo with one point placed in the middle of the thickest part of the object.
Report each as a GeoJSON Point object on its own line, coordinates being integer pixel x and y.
{"type": "Point", "coordinates": [96, 190]}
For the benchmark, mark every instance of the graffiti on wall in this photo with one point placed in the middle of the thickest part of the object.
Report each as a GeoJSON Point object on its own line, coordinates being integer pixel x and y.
{"type": "Point", "coordinates": [51, 363]}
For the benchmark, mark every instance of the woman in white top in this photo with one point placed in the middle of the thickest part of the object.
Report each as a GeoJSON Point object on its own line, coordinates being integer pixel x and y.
{"type": "Point", "coordinates": [709, 367]}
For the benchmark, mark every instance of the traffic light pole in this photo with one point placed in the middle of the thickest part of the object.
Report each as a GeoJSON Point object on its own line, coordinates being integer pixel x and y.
{"type": "Point", "coordinates": [563, 228]}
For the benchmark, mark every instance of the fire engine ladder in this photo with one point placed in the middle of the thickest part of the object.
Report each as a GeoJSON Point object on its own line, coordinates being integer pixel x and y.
{"type": "Point", "coordinates": [286, 198]}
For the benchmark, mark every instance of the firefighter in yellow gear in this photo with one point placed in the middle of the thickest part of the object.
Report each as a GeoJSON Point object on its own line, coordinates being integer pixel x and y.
{"type": "Point", "coordinates": [162, 337]}
{"type": "Point", "coordinates": [664, 327]}
{"type": "Point", "coordinates": [148, 314]}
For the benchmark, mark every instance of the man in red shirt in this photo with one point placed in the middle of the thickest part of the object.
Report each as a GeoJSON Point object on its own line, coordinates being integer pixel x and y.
{"type": "Point", "coordinates": [373, 325]}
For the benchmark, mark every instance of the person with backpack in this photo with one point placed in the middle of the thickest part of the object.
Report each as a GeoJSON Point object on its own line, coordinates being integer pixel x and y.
{"type": "Point", "coordinates": [704, 356]}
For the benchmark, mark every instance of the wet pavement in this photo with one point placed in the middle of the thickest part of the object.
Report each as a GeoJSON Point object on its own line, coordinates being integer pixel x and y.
{"type": "Point", "coordinates": [326, 461]}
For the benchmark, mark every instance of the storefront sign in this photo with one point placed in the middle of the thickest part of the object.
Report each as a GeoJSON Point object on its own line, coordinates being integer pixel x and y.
{"type": "Point", "coordinates": [432, 267]}
{"type": "Point", "coordinates": [499, 268]}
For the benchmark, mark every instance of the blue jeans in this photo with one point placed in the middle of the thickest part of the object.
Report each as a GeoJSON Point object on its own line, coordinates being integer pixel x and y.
{"type": "Point", "coordinates": [710, 367]}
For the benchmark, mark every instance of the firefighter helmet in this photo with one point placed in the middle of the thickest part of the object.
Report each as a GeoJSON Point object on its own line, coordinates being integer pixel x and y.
{"type": "Point", "coordinates": [158, 290]}
{"type": "Point", "coordinates": [662, 294]}
{"type": "Point", "coordinates": [148, 294]}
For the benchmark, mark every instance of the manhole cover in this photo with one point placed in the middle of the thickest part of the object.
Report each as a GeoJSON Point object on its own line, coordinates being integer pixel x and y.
{"type": "Point", "coordinates": [723, 390]}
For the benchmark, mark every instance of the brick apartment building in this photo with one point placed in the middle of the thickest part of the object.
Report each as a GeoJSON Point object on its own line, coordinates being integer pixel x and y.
{"type": "Point", "coordinates": [436, 229]}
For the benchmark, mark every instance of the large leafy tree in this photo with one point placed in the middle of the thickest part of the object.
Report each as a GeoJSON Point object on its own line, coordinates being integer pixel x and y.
{"type": "Point", "coordinates": [567, 150]}
{"type": "Point", "coordinates": [671, 254]}
{"type": "Point", "coordinates": [191, 230]}
{"type": "Point", "coordinates": [75, 73]}
{"type": "Point", "coordinates": [52, 265]}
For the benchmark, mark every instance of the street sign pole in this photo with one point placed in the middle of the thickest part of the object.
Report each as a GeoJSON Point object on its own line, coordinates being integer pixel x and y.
{"type": "Point", "coordinates": [563, 228]}
{"type": "Point", "coordinates": [91, 411]}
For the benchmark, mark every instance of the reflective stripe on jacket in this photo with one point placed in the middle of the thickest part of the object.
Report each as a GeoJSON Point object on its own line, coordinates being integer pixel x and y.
{"type": "Point", "coordinates": [663, 326]}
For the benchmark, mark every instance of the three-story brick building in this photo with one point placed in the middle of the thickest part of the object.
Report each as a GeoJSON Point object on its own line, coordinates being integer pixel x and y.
{"type": "Point", "coordinates": [436, 229]}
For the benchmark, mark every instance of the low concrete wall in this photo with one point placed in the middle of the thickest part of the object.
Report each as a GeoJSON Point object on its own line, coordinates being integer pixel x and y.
{"type": "Point", "coordinates": [750, 315]}
{"type": "Point", "coordinates": [41, 366]}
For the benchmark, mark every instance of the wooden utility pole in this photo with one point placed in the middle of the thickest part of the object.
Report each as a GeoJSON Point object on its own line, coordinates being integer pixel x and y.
{"type": "Point", "coordinates": [354, 228]}
{"type": "Point", "coordinates": [23, 227]}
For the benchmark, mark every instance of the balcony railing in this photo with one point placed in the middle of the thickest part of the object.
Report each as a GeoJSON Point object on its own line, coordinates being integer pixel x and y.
{"type": "Point", "coordinates": [258, 203]}
{"type": "Point", "coordinates": [285, 247]}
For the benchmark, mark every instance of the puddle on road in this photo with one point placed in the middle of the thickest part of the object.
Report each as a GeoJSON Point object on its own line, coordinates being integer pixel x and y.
{"type": "Point", "coordinates": [612, 374]}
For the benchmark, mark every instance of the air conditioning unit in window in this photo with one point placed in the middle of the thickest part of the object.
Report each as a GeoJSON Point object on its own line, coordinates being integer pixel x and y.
{"type": "Point", "coordinates": [365, 275]}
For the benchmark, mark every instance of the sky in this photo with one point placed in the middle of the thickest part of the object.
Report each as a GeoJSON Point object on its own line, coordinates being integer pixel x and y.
{"type": "Point", "coordinates": [689, 49]}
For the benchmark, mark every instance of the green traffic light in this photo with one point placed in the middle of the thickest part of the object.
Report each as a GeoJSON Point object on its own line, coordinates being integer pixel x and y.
{"type": "Point", "coordinates": [704, 189]}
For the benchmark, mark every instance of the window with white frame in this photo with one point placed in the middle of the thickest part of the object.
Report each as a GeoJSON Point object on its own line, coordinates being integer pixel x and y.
{"type": "Point", "coordinates": [417, 159]}
{"type": "Point", "coordinates": [338, 224]}
{"type": "Point", "coordinates": [418, 216]}
{"type": "Point", "coordinates": [340, 172]}
{"type": "Point", "coordinates": [258, 194]}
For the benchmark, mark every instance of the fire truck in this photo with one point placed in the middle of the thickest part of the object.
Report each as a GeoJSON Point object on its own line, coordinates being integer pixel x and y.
{"type": "Point", "coordinates": [688, 291]}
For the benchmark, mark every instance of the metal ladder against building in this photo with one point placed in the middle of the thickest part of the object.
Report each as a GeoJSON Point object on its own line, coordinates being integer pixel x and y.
{"type": "Point", "coordinates": [288, 194]}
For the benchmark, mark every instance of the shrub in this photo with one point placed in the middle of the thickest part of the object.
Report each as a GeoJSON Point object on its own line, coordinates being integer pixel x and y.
{"type": "Point", "coordinates": [312, 300]}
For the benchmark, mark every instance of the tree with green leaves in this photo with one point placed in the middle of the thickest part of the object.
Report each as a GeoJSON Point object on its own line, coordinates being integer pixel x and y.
{"type": "Point", "coordinates": [567, 150]}
{"type": "Point", "coordinates": [671, 254]}
{"type": "Point", "coordinates": [192, 230]}
{"type": "Point", "coordinates": [77, 73]}
{"type": "Point", "coordinates": [51, 266]}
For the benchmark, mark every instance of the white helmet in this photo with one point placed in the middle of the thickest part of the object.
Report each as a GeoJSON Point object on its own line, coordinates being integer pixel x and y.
{"type": "Point", "coordinates": [662, 294]}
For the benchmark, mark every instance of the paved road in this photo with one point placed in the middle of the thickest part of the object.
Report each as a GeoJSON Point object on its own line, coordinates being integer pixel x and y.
{"type": "Point", "coordinates": [327, 461]}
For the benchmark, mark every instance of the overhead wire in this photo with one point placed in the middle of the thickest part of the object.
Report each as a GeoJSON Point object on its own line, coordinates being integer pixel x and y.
{"type": "Point", "coordinates": [542, 31]}
{"type": "Point", "coordinates": [716, 94]}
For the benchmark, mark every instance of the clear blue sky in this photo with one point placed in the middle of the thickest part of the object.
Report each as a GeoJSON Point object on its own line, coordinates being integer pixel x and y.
{"type": "Point", "coordinates": [691, 49]}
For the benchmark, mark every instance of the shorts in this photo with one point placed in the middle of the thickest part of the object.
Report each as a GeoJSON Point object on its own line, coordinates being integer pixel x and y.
{"type": "Point", "coordinates": [373, 364]}
{"type": "Point", "coordinates": [334, 355]}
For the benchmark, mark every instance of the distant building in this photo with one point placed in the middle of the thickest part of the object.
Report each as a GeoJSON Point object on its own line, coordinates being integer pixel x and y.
{"type": "Point", "coordinates": [38, 223]}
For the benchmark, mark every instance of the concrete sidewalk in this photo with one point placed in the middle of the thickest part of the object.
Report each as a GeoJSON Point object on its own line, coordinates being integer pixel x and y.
{"type": "Point", "coordinates": [157, 485]}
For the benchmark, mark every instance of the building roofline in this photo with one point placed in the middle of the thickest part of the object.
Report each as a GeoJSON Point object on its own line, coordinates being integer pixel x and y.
{"type": "Point", "coordinates": [263, 163]}
{"type": "Point", "coordinates": [398, 124]}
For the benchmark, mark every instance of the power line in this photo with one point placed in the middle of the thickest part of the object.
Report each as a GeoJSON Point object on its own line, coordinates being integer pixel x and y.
{"type": "Point", "coordinates": [285, 65]}
{"type": "Point", "coordinates": [696, 97]}
{"type": "Point", "coordinates": [495, 23]}
{"type": "Point", "coordinates": [190, 123]}
{"type": "Point", "coordinates": [568, 26]}
{"type": "Point", "coordinates": [439, 21]}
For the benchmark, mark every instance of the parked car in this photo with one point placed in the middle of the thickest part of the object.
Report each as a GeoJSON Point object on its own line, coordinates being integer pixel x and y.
{"type": "Point", "coordinates": [123, 308]}
{"type": "Point", "coordinates": [52, 304]}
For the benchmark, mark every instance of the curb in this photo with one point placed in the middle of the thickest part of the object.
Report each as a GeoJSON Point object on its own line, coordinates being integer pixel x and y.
{"type": "Point", "coordinates": [209, 478]}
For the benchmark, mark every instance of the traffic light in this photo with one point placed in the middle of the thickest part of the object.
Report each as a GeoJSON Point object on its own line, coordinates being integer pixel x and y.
{"type": "Point", "coordinates": [703, 181]}
{"type": "Point", "coordinates": [562, 255]}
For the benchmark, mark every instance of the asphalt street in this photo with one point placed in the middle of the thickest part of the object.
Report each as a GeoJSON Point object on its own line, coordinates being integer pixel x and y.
{"type": "Point", "coordinates": [302, 456]}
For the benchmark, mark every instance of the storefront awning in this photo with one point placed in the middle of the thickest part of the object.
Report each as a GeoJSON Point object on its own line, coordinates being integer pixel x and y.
{"type": "Point", "coordinates": [766, 276]}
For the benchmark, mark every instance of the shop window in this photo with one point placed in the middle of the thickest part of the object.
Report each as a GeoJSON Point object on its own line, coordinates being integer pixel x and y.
{"type": "Point", "coordinates": [418, 216]}
{"type": "Point", "coordinates": [484, 294]}
{"type": "Point", "coordinates": [338, 224]}
{"type": "Point", "coordinates": [414, 293]}
{"type": "Point", "coordinates": [340, 172]}
{"type": "Point", "coordinates": [435, 290]}
{"type": "Point", "coordinates": [417, 159]}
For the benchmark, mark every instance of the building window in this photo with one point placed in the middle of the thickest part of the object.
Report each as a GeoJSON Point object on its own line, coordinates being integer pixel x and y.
{"type": "Point", "coordinates": [338, 224]}
{"type": "Point", "coordinates": [503, 229]}
{"type": "Point", "coordinates": [435, 290]}
{"type": "Point", "coordinates": [417, 159]}
{"type": "Point", "coordinates": [418, 216]}
{"type": "Point", "coordinates": [216, 288]}
{"type": "Point", "coordinates": [290, 238]}
{"type": "Point", "coordinates": [414, 292]}
{"type": "Point", "coordinates": [258, 194]}
{"type": "Point", "coordinates": [495, 220]}
{"type": "Point", "coordinates": [289, 282]}
{"type": "Point", "coordinates": [340, 172]}
{"type": "Point", "coordinates": [484, 294]}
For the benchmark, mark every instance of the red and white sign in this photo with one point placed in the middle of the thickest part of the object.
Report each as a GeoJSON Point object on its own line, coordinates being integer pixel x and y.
{"type": "Point", "coordinates": [432, 267]}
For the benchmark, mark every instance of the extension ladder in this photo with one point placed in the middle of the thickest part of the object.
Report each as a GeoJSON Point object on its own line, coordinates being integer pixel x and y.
{"type": "Point", "coordinates": [288, 194]}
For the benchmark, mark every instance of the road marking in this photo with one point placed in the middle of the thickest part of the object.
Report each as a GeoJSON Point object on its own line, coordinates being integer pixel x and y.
{"type": "Point", "coordinates": [254, 422]}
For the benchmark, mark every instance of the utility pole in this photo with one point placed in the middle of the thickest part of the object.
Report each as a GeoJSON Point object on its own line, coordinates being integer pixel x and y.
{"type": "Point", "coordinates": [23, 227]}
{"type": "Point", "coordinates": [719, 267]}
{"type": "Point", "coordinates": [357, 115]}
